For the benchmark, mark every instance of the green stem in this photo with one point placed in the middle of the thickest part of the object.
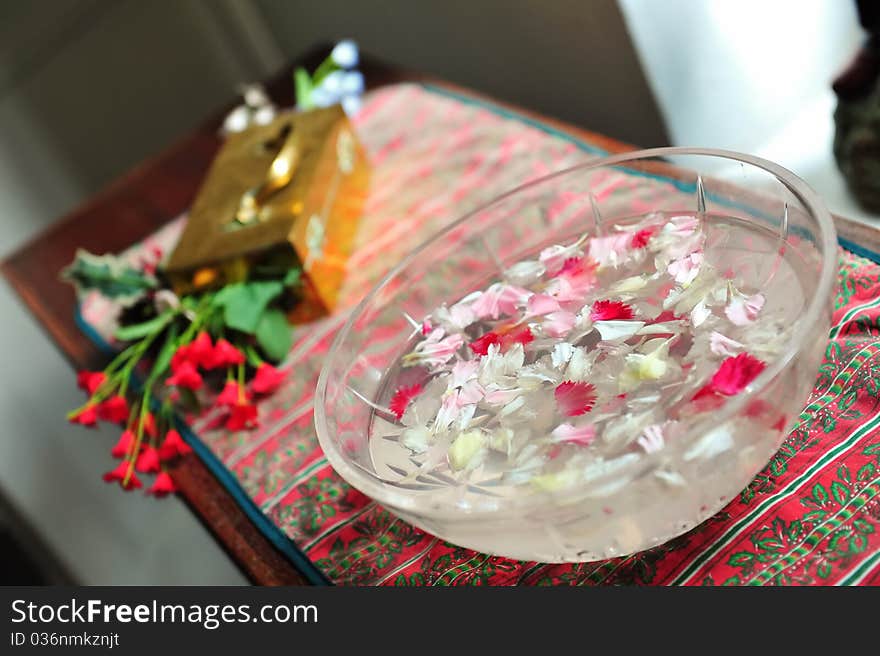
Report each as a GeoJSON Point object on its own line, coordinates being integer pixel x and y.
{"type": "Point", "coordinates": [324, 69]}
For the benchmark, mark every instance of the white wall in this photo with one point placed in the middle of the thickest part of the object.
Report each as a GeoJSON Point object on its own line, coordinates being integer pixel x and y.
{"type": "Point", "coordinates": [753, 76]}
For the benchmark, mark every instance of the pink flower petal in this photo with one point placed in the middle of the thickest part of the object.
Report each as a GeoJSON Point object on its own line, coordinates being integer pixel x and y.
{"type": "Point", "coordinates": [743, 310]}
{"type": "Point", "coordinates": [721, 345]}
{"type": "Point", "coordinates": [540, 304]}
{"type": "Point", "coordinates": [559, 324]}
{"type": "Point", "coordinates": [581, 435]}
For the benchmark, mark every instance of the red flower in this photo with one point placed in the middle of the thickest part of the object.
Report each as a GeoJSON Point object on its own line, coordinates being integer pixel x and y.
{"type": "Point", "coordinates": [230, 394]}
{"type": "Point", "coordinates": [173, 445]}
{"type": "Point", "coordinates": [125, 475]}
{"type": "Point", "coordinates": [267, 379]}
{"type": "Point", "coordinates": [150, 425]}
{"type": "Point", "coordinates": [124, 446]}
{"type": "Point", "coordinates": [181, 356]}
{"type": "Point", "coordinates": [201, 351]}
{"type": "Point", "coordinates": [162, 485]}
{"type": "Point", "coordinates": [642, 237]}
{"type": "Point", "coordinates": [402, 398]}
{"type": "Point", "coordinates": [114, 409]}
{"type": "Point", "coordinates": [481, 345]}
{"type": "Point", "coordinates": [735, 373]}
{"type": "Point", "coordinates": [90, 381]}
{"type": "Point", "coordinates": [575, 399]}
{"type": "Point", "coordinates": [610, 310]}
{"type": "Point", "coordinates": [186, 376]}
{"type": "Point", "coordinates": [732, 377]}
{"type": "Point", "coordinates": [225, 354]}
{"type": "Point", "coordinates": [241, 416]}
{"type": "Point", "coordinates": [87, 416]}
{"type": "Point", "coordinates": [148, 461]}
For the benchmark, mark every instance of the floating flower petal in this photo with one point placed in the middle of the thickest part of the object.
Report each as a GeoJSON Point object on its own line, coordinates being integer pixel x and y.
{"type": "Point", "coordinates": [402, 398]}
{"type": "Point", "coordinates": [575, 398]}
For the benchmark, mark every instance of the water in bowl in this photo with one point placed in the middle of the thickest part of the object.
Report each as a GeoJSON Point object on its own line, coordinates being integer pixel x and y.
{"type": "Point", "coordinates": [585, 367]}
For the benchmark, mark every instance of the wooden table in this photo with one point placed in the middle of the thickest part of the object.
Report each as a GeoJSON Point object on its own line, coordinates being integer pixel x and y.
{"type": "Point", "coordinates": [136, 205]}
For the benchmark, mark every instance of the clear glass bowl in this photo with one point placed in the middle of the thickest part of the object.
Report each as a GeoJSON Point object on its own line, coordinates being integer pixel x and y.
{"type": "Point", "coordinates": [791, 256]}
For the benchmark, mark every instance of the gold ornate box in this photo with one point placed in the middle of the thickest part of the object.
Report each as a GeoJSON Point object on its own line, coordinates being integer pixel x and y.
{"type": "Point", "coordinates": [290, 191]}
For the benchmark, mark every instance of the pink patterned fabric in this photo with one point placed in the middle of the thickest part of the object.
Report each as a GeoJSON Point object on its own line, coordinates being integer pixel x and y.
{"type": "Point", "coordinates": [812, 516]}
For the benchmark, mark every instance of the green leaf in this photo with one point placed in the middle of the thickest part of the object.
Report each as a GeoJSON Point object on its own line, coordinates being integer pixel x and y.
{"type": "Point", "coordinates": [274, 334]}
{"type": "Point", "coordinates": [871, 449]}
{"type": "Point", "coordinates": [741, 558]}
{"type": "Point", "coordinates": [840, 492]}
{"type": "Point", "coordinates": [863, 526]}
{"type": "Point", "coordinates": [819, 494]}
{"type": "Point", "coordinates": [292, 277]}
{"type": "Point", "coordinates": [108, 275]}
{"type": "Point", "coordinates": [244, 303]}
{"type": "Point", "coordinates": [138, 330]}
{"type": "Point", "coordinates": [303, 87]}
{"type": "Point", "coordinates": [824, 570]}
{"type": "Point", "coordinates": [866, 472]}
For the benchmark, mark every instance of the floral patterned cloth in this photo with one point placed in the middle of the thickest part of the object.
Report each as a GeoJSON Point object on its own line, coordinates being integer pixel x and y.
{"type": "Point", "coordinates": [812, 516]}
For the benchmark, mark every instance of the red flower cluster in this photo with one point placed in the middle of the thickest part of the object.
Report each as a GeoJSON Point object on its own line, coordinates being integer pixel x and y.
{"type": "Point", "coordinates": [142, 447]}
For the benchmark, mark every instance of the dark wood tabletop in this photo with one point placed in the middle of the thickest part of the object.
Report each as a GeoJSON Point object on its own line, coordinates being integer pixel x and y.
{"type": "Point", "coordinates": [140, 202]}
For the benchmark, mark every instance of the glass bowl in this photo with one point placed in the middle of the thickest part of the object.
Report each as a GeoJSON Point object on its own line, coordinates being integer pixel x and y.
{"type": "Point", "coordinates": [787, 249]}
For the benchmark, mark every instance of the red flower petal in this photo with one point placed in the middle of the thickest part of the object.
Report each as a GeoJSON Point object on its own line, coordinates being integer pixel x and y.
{"type": "Point", "coordinates": [267, 379]}
{"type": "Point", "coordinates": [242, 416]}
{"type": "Point", "coordinates": [162, 485]}
{"type": "Point", "coordinates": [201, 351]}
{"type": "Point", "coordinates": [230, 394]}
{"type": "Point", "coordinates": [642, 237]}
{"type": "Point", "coordinates": [610, 310]}
{"type": "Point", "coordinates": [90, 381]}
{"type": "Point", "coordinates": [225, 354]}
{"type": "Point", "coordinates": [121, 473]}
{"type": "Point", "coordinates": [735, 373]}
{"type": "Point", "coordinates": [148, 461]}
{"type": "Point", "coordinates": [114, 409]}
{"type": "Point", "coordinates": [124, 446]}
{"type": "Point", "coordinates": [88, 416]}
{"type": "Point", "coordinates": [181, 355]}
{"type": "Point", "coordinates": [575, 399]}
{"type": "Point", "coordinates": [521, 335]}
{"type": "Point", "coordinates": [666, 315]}
{"type": "Point", "coordinates": [186, 376]}
{"type": "Point", "coordinates": [481, 345]}
{"type": "Point", "coordinates": [402, 398]}
{"type": "Point", "coordinates": [503, 337]}
{"type": "Point", "coordinates": [173, 446]}
{"type": "Point", "coordinates": [150, 424]}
